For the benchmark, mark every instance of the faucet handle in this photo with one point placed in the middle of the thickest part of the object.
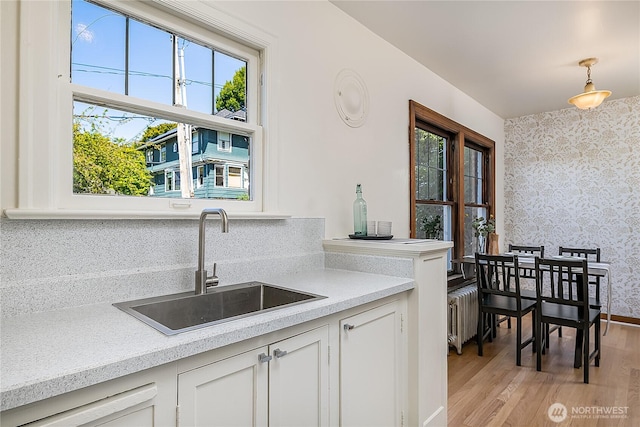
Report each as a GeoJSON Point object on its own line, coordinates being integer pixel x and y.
{"type": "Point", "coordinates": [213, 279]}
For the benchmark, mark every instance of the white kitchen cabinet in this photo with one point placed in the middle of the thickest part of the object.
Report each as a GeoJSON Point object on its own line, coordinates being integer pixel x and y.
{"type": "Point", "coordinates": [283, 384]}
{"type": "Point", "coordinates": [311, 374]}
{"type": "Point", "coordinates": [426, 319]}
{"type": "Point", "coordinates": [231, 392]}
{"type": "Point", "coordinates": [371, 366]}
{"type": "Point", "coordinates": [299, 380]}
{"type": "Point", "coordinates": [132, 407]}
{"type": "Point", "coordinates": [145, 399]}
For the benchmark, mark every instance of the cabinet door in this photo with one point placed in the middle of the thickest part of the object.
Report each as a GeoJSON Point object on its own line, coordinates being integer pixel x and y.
{"type": "Point", "coordinates": [370, 351]}
{"type": "Point", "coordinates": [231, 392]}
{"type": "Point", "coordinates": [299, 380]}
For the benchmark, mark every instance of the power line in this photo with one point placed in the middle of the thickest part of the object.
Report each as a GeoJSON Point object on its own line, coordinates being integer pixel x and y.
{"type": "Point", "coordinates": [100, 116]}
{"type": "Point", "coordinates": [117, 71]}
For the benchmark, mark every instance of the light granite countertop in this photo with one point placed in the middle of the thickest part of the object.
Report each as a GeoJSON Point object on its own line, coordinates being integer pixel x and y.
{"type": "Point", "coordinates": [49, 353]}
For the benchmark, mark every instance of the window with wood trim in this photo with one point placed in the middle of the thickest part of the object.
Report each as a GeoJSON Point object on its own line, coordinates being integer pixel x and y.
{"type": "Point", "coordinates": [452, 180]}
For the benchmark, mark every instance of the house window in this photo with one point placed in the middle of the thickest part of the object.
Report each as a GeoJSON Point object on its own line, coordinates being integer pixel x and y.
{"type": "Point", "coordinates": [149, 156]}
{"type": "Point", "coordinates": [163, 154]}
{"type": "Point", "coordinates": [230, 176]}
{"type": "Point", "coordinates": [199, 176]}
{"type": "Point", "coordinates": [220, 181]}
{"type": "Point", "coordinates": [224, 141]}
{"type": "Point", "coordinates": [431, 170]}
{"type": "Point", "coordinates": [171, 180]}
{"type": "Point", "coordinates": [168, 180]}
{"type": "Point", "coordinates": [108, 70]}
{"type": "Point", "coordinates": [234, 179]}
{"type": "Point", "coordinates": [476, 200]}
{"type": "Point", "coordinates": [176, 180]}
{"type": "Point", "coordinates": [122, 67]}
{"type": "Point", "coordinates": [452, 172]}
{"type": "Point", "coordinates": [194, 146]}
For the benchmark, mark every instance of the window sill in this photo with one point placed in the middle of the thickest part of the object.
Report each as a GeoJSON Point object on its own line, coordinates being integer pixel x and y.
{"type": "Point", "coordinates": [455, 281]}
{"type": "Point", "coordinates": [38, 214]}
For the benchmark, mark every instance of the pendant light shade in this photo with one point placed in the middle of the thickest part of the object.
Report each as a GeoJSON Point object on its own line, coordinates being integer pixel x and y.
{"type": "Point", "coordinates": [591, 97]}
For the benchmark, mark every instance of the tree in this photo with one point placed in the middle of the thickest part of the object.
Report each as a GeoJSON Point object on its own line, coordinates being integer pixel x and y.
{"type": "Point", "coordinates": [232, 95]}
{"type": "Point", "coordinates": [153, 131]}
{"type": "Point", "coordinates": [101, 166]}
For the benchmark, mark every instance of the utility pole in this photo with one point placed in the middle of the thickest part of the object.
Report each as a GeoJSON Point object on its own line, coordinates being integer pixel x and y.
{"type": "Point", "coordinates": [183, 129]}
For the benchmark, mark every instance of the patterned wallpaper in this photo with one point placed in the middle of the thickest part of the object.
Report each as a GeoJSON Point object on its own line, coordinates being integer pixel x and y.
{"type": "Point", "coordinates": [572, 178]}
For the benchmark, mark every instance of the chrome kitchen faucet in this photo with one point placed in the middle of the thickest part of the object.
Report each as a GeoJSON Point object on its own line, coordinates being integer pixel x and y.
{"type": "Point", "coordinates": [202, 280]}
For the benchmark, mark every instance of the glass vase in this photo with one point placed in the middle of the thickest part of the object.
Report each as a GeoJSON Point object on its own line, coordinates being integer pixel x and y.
{"type": "Point", "coordinates": [481, 244]}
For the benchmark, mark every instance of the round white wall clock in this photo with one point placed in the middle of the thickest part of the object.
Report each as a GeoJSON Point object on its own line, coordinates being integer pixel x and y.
{"type": "Point", "coordinates": [351, 98]}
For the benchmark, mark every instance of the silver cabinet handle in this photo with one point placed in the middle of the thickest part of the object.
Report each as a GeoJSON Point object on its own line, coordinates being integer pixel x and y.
{"type": "Point", "coordinates": [264, 358]}
{"type": "Point", "coordinates": [348, 327]}
{"type": "Point", "coordinates": [279, 353]}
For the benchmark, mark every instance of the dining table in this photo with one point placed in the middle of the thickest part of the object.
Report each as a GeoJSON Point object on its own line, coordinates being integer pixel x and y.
{"type": "Point", "coordinates": [525, 260]}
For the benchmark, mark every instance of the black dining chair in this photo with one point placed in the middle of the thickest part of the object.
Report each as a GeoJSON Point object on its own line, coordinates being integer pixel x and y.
{"type": "Point", "coordinates": [532, 251]}
{"type": "Point", "coordinates": [499, 294]}
{"type": "Point", "coordinates": [524, 273]}
{"type": "Point", "coordinates": [530, 273]}
{"type": "Point", "coordinates": [562, 289]}
{"type": "Point", "coordinates": [590, 255]}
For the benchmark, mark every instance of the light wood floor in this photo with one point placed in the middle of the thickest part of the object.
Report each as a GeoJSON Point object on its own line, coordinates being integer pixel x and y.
{"type": "Point", "coordinates": [493, 391]}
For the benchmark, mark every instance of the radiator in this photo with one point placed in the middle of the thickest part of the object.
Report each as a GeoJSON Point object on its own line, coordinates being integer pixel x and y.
{"type": "Point", "coordinates": [462, 319]}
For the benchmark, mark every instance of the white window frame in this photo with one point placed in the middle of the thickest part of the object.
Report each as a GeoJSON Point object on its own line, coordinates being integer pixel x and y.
{"type": "Point", "coordinates": [241, 175]}
{"type": "Point", "coordinates": [200, 176]}
{"type": "Point", "coordinates": [216, 168]}
{"type": "Point", "coordinates": [172, 176]}
{"type": "Point", "coordinates": [163, 154]}
{"type": "Point", "coordinates": [224, 144]}
{"type": "Point", "coordinates": [45, 111]}
{"type": "Point", "coordinates": [168, 180]}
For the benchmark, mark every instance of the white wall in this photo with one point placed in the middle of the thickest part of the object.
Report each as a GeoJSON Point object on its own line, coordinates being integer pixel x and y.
{"type": "Point", "coordinates": [572, 178]}
{"type": "Point", "coordinates": [320, 159]}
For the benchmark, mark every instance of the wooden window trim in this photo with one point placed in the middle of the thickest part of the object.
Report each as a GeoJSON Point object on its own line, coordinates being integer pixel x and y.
{"type": "Point", "coordinates": [419, 114]}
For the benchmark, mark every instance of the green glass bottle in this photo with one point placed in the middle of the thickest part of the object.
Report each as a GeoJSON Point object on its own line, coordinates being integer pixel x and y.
{"type": "Point", "coordinates": [359, 213]}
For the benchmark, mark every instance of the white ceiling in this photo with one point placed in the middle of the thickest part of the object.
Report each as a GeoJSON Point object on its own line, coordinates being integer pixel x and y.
{"type": "Point", "coordinates": [514, 57]}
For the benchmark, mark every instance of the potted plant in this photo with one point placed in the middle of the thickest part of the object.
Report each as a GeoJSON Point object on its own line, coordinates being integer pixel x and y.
{"type": "Point", "coordinates": [432, 226]}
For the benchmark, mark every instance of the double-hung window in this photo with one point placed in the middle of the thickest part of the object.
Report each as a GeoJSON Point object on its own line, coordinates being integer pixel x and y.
{"type": "Point", "coordinates": [452, 170]}
{"type": "Point", "coordinates": [109, 82]}
{"type": "Point", "coordinates": [171, 180]}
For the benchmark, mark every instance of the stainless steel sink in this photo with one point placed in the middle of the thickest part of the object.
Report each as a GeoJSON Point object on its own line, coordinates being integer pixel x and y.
{"type": "Point", "coordinates": [173, 314]}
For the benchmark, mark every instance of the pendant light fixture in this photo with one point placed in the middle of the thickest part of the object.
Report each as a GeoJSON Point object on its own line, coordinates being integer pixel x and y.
{"type": "Point", "coordinates": [591, 97]}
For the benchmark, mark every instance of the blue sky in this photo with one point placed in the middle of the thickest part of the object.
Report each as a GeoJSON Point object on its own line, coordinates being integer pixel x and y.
{"type": "Point", "coordinates": [98, 60]}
